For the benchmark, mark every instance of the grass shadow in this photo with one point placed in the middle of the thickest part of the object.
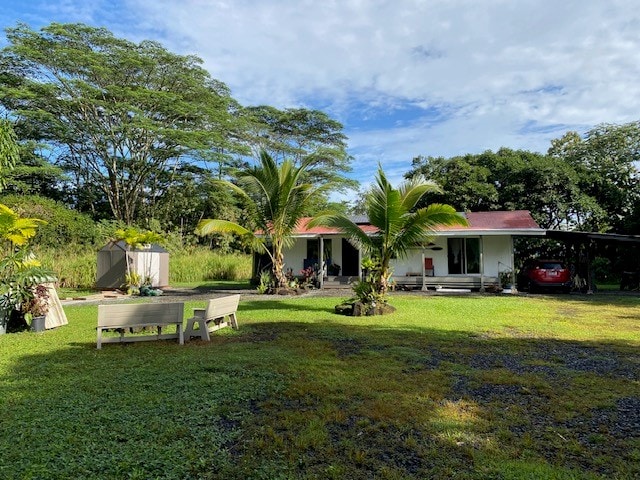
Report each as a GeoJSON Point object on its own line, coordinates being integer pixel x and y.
{"type": "Point", "coordinates": [305, 399]}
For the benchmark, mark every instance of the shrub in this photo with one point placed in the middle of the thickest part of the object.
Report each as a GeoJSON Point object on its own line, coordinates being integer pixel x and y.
{"type": "Point", "coordinates": [63, 224]}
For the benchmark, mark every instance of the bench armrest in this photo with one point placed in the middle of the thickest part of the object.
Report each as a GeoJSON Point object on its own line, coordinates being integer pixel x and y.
{"type": "Point", "coordinates": [199, 312]}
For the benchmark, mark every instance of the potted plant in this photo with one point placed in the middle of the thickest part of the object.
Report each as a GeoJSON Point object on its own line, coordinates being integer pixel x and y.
{"type": "Point", "coordinates": [36, 307]}
{"type": "Point", "coordinates": [506, 280]}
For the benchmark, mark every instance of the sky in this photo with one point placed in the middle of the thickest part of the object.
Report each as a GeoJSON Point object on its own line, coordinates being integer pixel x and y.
{"type": "Point", "coordinates": [404, 77]}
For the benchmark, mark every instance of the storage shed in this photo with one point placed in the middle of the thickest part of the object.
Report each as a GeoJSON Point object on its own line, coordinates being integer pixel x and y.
{"type": "Point", "coordinates": [151, 261]}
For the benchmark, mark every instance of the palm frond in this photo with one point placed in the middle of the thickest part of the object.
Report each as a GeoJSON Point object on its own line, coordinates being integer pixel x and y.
{"type": "Point", "coordinates": [413, 190]}
{"type": "Point", "coordinates": [438, 214]}
{"type": "Point", "coordinates": [350, 229]}
{"type": "Point", "coordinates": [208, 226]}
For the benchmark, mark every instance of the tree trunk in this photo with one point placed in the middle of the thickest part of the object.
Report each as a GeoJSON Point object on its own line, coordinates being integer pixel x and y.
{"type": "Point", "coordinates": [278, 266]}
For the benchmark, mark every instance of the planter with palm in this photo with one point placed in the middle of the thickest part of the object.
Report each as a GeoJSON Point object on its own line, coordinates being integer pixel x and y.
{"type": "Point", "coordinates": [400, 226]}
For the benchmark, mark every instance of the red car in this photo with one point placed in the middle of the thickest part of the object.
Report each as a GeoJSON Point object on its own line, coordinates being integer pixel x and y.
{"type": "Point", "coordinates": [545, 274]}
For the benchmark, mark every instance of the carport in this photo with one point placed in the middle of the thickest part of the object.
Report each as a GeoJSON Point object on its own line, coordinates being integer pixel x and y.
{"type": "Point", "coordinates": [585, 243]}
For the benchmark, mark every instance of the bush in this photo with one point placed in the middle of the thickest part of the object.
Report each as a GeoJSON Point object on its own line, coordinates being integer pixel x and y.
{"type": "Point", "coordinates": [63, 224]}
{"type": "Point", "coordinates": [602, 270]}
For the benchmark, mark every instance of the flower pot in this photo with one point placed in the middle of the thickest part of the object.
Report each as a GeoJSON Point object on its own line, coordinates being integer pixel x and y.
{"type": "Point", "coordinates": [37, 324]}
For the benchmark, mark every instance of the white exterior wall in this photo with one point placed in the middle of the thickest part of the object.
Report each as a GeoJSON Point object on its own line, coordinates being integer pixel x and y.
{"type": "Point", "coordinates": [496, 248]}
{"type": "Point", "coordinates": [147, 264]}
{"type": "Point", "coordinates": [413, 262]}
{"type": "Point", "coordinates": [497, 254]}
{"type": "Point", "coordinates": [336, 249]}
{"type": "Point", "coordinates": [294, 256]}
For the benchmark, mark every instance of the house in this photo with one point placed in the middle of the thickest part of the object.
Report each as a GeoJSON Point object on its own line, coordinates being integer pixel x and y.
{"type": "Point", "coordinates": [471, 257]}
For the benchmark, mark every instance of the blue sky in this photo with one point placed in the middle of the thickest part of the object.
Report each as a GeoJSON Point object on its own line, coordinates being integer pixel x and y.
{"type": "Point", "coordinates": [405, 77]}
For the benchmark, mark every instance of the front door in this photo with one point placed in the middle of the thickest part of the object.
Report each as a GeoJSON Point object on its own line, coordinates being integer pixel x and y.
{"type": "Point", "coordinates": [350, 259]}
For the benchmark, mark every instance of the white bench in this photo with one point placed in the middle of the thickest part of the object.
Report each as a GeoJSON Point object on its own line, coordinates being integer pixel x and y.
{"type": "Point", "coordinates": [212, 318]}
{"type": "Point", "coordinates": [126, 316]}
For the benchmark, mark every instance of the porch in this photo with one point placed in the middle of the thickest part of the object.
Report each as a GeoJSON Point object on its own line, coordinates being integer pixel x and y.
{"type": "Point", "coordinates": [418, 282]}
{"type": "Point", "coordinates": [412, 282]}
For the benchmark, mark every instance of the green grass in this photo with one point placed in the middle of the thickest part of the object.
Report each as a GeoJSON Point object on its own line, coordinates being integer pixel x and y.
{"type": "Point", "coordinates": [470, 388]}
{"type": "Point", "coordinates": [197, 264]}
{"type": "Point", "coordinates": [76, 266]}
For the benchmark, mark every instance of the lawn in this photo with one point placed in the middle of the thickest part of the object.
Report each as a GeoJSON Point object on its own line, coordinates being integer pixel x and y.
{"type": "Point", "coordinates": [483, 387]}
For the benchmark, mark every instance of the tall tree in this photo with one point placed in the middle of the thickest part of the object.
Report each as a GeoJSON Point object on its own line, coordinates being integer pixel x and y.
{"type": "Point", "coordinates": [606, 160]}
{"type": "Point", "coordinates": [302, 135]}
{"type": "Point", "coordinates": [33, 174]}
{"type": "Point", "coordinates": [9, 150]}
{"type": "Point", "coordinates": [277, 197]}
{"type": "Point", "coordinates": [116, 111]}
{"type": "Point", "coordinates": [400, 226]}
{"type": "Point", "coordinates": [466, 182]}
{"type": "Point", "coordinates": [510, 180]}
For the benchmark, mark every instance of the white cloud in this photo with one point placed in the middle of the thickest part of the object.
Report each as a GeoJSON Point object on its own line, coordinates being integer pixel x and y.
{"type": "Point", "coordinates": [496, 72]}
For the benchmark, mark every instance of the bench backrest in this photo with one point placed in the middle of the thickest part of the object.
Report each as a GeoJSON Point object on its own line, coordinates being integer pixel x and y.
{"type": "Point", "coordinates": [219, 307]}
{"type": "Point", "coordinates": [139, 314]}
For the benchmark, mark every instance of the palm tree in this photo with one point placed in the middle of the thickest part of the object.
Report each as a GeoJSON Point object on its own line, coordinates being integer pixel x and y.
{"type": "Point", "coordinates": [278, 196]}
{"type": "Point", "coordinates": [400, 227]}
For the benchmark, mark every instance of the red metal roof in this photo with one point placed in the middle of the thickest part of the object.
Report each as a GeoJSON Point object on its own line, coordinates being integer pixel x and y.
{"type": "Point", "coordinates": [500, 220]}
{"type": "Point", "coordinates": [302, 229]}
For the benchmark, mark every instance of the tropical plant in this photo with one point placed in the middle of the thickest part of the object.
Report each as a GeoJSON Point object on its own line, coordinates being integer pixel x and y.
{"type": "Point", "coordinates": [20, 271]}
{"type": "Point", "coordinates": [264, 283]}
{"type": "Point", "coordinates": [506, 278]}
{"type": "Point", "coordinates": [38, 304]}
{"type": "Point", "coordinates": [136, 239]}
{"type": "Point", "coordinates": [400, 227]}
{"type": "Point", "coordinates": [278, 196]}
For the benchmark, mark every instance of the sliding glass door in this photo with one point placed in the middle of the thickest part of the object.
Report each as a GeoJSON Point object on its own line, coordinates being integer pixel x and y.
{"type": "Point", "coordinates": [463, 255]}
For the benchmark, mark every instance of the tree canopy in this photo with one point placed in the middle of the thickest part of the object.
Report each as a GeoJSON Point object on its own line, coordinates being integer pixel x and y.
{"type": "Point", "coordinates": [606, 162]}
{"type": "Point", "coordinates": [553, 189]}
{"type": "Point", "coordinates": [302, 135]}
{"type": "Point", "coordinates": [9, 151]}
{"type": "Point", "coordinates": [115, 110]}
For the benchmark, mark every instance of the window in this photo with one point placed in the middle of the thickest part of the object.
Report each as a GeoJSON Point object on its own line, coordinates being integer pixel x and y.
{"type": "Point", "coordinates": [313, 249]}
{"type": "Point", "coordinates": [463, 255]}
